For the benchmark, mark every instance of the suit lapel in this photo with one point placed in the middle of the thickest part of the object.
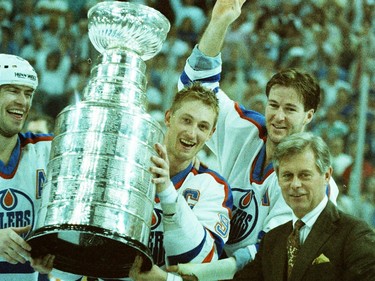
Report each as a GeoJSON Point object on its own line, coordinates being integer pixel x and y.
{"type": "Point", "coordinates": [321, 231]}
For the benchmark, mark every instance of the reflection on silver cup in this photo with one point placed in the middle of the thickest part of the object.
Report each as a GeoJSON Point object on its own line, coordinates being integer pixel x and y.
{"type": "Point", "coordinates": [97, 203]}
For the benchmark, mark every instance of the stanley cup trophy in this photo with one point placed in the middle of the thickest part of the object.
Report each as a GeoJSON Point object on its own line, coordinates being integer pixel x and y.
{"type": "Point", "coordinates": [97, 203]}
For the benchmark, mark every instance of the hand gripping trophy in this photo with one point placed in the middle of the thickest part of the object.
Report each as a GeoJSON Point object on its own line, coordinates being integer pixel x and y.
{"type": "Point", "coordinates": [98, 200]}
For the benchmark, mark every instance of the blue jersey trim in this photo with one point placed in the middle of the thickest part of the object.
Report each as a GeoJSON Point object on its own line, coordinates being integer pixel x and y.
{"type": "Point", "coordinates": [179, 178]}
{"type": "Point", "coordinates": [13, 161]}
{"type": "Point", "coordinates": [21, 268]}
{"type": "Point", "coordinates": [211, 79]}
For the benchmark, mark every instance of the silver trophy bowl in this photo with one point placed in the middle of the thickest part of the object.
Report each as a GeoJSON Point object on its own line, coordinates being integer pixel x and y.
{"type": "Point", "coordinates": [125, 25]}
{"type": "Point", "coordinates": [97, 203]}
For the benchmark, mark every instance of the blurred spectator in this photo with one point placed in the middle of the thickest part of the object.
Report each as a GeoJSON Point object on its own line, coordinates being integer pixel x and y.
{"type": "Point", "coordinates": [331, 84]}
{"type": "Point", "coordinates": [52, 6]}
{"type": "Point", "coordinates": [187, 9]}
{"type": "Point", "coordinates": [258, 103]}
{"type": "Point", "coordinates": [340, 160]}
{"type": "Point", "coordinates": [40, 124]}
{"type": "Point", "coordinates": [331, 126]}
{"type": "Point", "coordinates": [7, 44]}
{"type": "Point", "coordinates": [35, 50]}
{"type": "Point", "coordinates": [345, 202]}
{"type": "Point", "coordinates": [78, 80]}
{"type": "Point", "coordinates": [164, 7]}
{"type": "Point", "coordinates": [174, 47]}
{"type": "Point", "coordinates": [367, 210]}
{"type": "Point", "coordinates": [154, 97]}
{"type": "Point", "coordinates": [253, 97]}
{"type": "Point", "coordinates": [346, 104]}
{"type": "Point", "coordinates": [368, 170]}
{"type": "Point", "coordinates": [54, 70]}
{"type": "Point", "coordinates": [186, 32]}
{"type": "Point", "coordinates": [83, 49]}
{"type": "Point", "coordinates": [32, 21]}
{"type": "Point", "coordinates": [52, 32]}
{"type": "Point", "coordinates": [6, 8]}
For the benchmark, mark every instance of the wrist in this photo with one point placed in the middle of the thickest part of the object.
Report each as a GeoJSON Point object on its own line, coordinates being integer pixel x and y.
{"type": "Point", "coordinates": [168, 195]}
{"type": "Point", "coordinates": [242, 257]}
{"type": "Point", "coordinates": [172, 277]}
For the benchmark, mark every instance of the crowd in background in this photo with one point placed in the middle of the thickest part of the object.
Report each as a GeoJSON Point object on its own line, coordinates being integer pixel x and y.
{"type": "Point", "coordinates": [333, 39]}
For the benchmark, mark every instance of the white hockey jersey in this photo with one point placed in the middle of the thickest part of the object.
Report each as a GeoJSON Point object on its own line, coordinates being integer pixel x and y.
{"type": "Point", "coordinates": [200, 227]}
{"type": "Point", "coordinates": [239, 144]}
{"type": "Point", "coordinates": [21, 183]}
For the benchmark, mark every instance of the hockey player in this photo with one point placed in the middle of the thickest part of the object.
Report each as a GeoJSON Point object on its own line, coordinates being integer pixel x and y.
{"type": "Point", "coordinates": [23, 162]}
{"type": "Point", "coordinates": [244, 142]}
{"type": "Point", "coordinates": [193, 206]}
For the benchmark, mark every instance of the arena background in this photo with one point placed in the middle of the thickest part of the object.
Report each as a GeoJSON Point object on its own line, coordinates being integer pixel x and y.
{"type": "Point", "coordinates": [334, 40]}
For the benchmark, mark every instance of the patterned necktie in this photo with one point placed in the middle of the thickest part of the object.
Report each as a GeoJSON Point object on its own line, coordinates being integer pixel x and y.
{"type": "Point", "coordinates": [293, 245]}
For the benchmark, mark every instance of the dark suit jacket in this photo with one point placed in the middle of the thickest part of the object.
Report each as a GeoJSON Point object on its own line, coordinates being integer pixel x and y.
{"type": "Point", "coordinates": [347, 242]}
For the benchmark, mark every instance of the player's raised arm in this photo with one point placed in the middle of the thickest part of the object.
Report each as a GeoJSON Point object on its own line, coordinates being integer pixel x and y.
{"type": "Point", "coordinates": [204, 63]}
{"type": "Point", "coordinates": [223, 14]}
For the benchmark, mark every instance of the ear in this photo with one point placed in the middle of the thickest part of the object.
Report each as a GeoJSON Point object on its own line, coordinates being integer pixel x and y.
{"type": "Point", "coordinates": [328, 174]}
{"type": "Point", "coordinates": [212, 132]}
{"type": "Point", "coordinates": [309, 116]}
{"type": "Point", "coordinates": [167, 118]}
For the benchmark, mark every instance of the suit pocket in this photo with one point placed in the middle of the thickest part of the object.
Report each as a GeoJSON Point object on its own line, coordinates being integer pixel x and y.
{"type": "Point", "coordinates": [322, 272]}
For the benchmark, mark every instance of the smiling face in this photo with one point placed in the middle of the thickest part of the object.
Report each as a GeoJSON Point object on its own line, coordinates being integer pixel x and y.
{"type": "Point", "coordinates": [285, 113]}
{"type": "Point", "coordinates": [15, 102]}
{"type": "Point", "coordinates": [302, 184]}
{"type": "Point", "coordinates": [188, 128]}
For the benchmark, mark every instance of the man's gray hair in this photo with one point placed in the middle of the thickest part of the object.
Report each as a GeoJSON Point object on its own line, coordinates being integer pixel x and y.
{"type": "Point", "coordinates": [298, 143]}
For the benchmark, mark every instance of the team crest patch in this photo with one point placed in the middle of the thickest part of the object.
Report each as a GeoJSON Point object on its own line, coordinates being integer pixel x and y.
{"type": "Point", "coordinates": [155, 242]}
{"type": "Point", "coordinates": [156, 218]}
{"type": "Point", "coordinates": [245, 215]}
{"type": "Point", "coordinates": [17, 209]}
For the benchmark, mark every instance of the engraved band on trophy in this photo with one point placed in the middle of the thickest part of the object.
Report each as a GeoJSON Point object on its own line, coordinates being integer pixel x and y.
{"type": "Point", "coordinates": [97, 202]}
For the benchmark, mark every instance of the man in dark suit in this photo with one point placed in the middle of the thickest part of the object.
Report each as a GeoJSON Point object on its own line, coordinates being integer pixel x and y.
{"type": "Point", "coordinates": [333, 245]}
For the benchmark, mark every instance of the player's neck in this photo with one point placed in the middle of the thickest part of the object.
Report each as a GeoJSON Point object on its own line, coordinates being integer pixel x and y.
{"type": "Point", "coordinates": [7, 145]}
{"type": "Point", "coordinates": [176, 165]}
{"type": "Point", "coordinates": [270, 148]}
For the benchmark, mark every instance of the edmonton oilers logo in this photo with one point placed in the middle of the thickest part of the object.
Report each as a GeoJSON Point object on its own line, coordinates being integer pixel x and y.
{"type": "Point", "coordinates": [156, 219]}
{"type": "Point", "coordinates": [245, 215]}
{"type": "Point", "coordinates": [8, 200]}
{"type": "Point", "coordinates": [16, 209]}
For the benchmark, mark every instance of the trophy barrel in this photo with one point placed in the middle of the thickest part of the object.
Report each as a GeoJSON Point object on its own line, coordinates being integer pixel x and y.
{"type": "Point", "coordinates": [97, 202]}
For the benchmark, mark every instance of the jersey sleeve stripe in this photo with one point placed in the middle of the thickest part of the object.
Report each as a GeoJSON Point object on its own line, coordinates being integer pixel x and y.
{"type": "Point", "coordinates": [34, 138]}
{"type": "Point", "coordinates": [210, 256]}
{"type": "Point", "coordinates": [228, 199]}
{"type": "Point", "coordinates": [253, 117]}
{"type": "Point", "coordinates": [219, 242]}
{"type": "Point", "coordinates": [188, 256]}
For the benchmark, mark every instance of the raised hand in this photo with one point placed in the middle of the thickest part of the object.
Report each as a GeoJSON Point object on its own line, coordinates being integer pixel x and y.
{"type": "Point", "coordinates": [223, 14]}
{"type": "Point", "coordinates": [161, 169]}
{"type": "Point", "coordinates": [227, 10]}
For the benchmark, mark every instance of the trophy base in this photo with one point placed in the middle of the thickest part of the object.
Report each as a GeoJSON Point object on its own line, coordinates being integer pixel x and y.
{"type": "Point", "coordinates": [88, 250]}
